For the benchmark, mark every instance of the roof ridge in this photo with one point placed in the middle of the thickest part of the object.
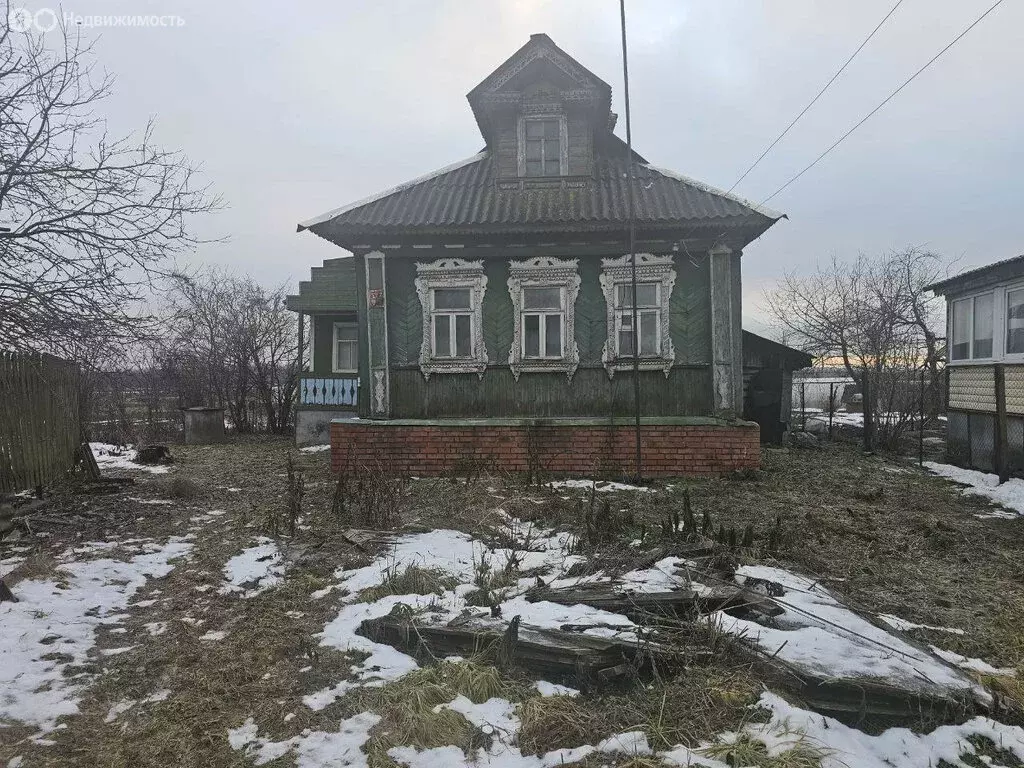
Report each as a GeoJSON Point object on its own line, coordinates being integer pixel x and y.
{"type": "Point", "coordinates": [771, 213]}
{"type": "Point", "coordinates": [388, 192]}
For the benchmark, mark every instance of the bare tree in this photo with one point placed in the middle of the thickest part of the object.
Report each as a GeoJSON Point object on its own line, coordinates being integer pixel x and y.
{"type": "Point", "coordinates": [91, 217]}
{"type": "Point", "coordinates": [875, 317]}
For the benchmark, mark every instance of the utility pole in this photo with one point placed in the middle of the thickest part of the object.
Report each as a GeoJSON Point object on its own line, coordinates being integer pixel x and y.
{"type": "Point", "coordinates": [631, 218]}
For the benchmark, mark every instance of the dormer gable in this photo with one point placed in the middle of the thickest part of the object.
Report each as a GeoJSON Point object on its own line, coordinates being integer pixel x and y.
{"type": "Point", "coordinates": [541, 113]}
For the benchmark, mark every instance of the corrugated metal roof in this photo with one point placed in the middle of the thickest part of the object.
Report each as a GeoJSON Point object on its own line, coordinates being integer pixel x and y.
{"type": "Point", "coordinates": [469, 198]}
{"type": "Point", "coordinates": [1002, 270]}
{"type": "Point", "coordinates": [331, 288]}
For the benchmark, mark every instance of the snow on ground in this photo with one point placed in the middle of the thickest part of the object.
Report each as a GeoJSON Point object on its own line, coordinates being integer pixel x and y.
{"type": "Point", "coordinates": [555, 689]}
{"type": "Point", "coordinates": [315, 448]}
{"type": "Point", "coordinates": [904, 626]}
{"type": "Point", "coordinates": [120, 457]}
{"type": "Point", "coordinates": [848, 747]}
{"type": "Point", "coordinates": [976, 665]}
{"type": "Point", "coordinates": [312, 749]}
{"type": "Point", "coordinates": [819, 634]}
{"type": "Point", "coordinates": [54, 626]}
{"type": "Point", "coordinates": [254, 570]}
{"type": "Point", "coordinates": [1010, 494]}
{"type": "Point", "coordinates": [597, 485]}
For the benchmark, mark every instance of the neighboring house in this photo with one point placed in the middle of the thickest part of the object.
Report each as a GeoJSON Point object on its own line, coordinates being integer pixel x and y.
{"type": "Point", "coordinates": [494, 303]}
{"type": "Point", "coordinates": [985, 351]}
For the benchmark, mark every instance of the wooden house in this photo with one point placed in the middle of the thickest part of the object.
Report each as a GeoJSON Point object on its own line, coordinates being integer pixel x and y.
{"type": "Point", "coordinates": [985, 364]}
{"type": "Point", "coordinates": [493, 306]}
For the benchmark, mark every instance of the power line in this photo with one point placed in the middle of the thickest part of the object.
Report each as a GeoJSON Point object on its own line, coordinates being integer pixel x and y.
{"type": "Point", "coordinates": [888, 98]}
{"type": "Point", "coordinates": [815, 99]}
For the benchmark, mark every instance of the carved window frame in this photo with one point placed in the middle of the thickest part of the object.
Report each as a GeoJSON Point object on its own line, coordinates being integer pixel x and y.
{"type": "Point", "coordinates": [649, 269]}
{"type": "Point", "coordinates": [452, 273]}
{"type": "Point", "coordinates": [563, 143]}
{"type": "Point", "coordinates": [544, 272]}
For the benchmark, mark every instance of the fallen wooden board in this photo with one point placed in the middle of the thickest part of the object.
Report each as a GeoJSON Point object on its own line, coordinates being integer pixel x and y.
{"type": "Point", "coordinates": [680, 602]}
{"type": "Point", "coordinates": [547, 653]}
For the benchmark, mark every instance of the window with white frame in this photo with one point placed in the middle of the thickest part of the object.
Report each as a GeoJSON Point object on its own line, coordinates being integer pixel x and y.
{"type": "Point", "coordinates": [346, 348]}
{"type": "Point", "coordinates": [972, 328]}
{"type": "Point", "coordinates": [451, 322]}
{"type": "Point", "coordinates": [543, 146]}
{"type": "Point", "coordinates": [543, 292]}
{"type": "Point", "coordinates": [1015, 321]}
{"type": "Point", "coordinates": [648, 318]}
{"type": "Point", "coordinates": [656, 278]}
{"type": "Point", "coordinates": [451, 294]}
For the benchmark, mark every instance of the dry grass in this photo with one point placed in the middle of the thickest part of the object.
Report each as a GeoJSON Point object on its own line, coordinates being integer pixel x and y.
{"type": "Point", "coordinates": [750, 752]}
{"type": "Point", "coordinates": [411, 580]}
{"type": "Point", "coordinates": [180, 487]}
{"type": "Point", "coordinates": [691, 708]}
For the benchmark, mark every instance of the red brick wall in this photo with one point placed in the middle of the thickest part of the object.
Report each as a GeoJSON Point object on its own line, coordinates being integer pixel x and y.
{"type": "Point", "coordinates": [429, 449]}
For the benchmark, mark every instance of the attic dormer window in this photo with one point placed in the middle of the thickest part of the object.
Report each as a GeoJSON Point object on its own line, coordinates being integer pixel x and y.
{"type": "Point", "coordinates": [542, 146]}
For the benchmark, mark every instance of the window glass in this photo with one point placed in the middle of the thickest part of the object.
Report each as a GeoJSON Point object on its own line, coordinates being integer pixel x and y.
{"type": "Point", "coordinates": [552, 336]}
{"type": "Point", "coordinates": [649, 333]}
{"type": "Point", "coordinates": [648, 293]}
{"type": "Point", "coordinates": [542, 298]}
{"type": "Point", "coordinates": [960, 348]}
{"type": "Point", "coordinates": [542, 150]}
{"type": "Point", "coordinates": [982, 327]}
{"type": "Point", "coordinates": [463, 339]}
{"type": "Point", "coordinates": [1015, 322]}
{"type": "Point", "coordinates": [442, 341]}
{"type": "Point", "coordinates": [531, 335]}
{"type": "Point", "coordinates": [452, 298]}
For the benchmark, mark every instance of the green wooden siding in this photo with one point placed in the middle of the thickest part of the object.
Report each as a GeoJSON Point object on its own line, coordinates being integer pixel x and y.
{"type": "Point", "coordinates": [687, 391]}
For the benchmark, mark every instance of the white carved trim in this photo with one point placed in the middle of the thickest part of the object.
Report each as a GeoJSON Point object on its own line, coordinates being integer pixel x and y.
{"type": "Point", "coordinates": [544, 271]}
{"type": "Point", "coordinates": [649, 269]}
{"type": "Point", "coordinates": [452, 273]}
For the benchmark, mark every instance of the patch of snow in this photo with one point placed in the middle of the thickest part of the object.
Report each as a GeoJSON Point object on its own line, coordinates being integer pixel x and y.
{"type": "Point", "coordinates": [315, 448]}
{"type": "Point", "coordinates": [154, 502]}
{"type": "Point", "coordinates": [818, 634]}
{"type": "Point", "coordinates": [254, 570]}
{"type": "Point", "coordinates": [661, 577]}
{"type": "Point", "coordinates": [9, 564]}
{"type": "Point", "coordinates": [555, 689]}
{"type": "Point", "coordinates": [312, 749]}
{"type": "Point", "coordinates": [495, 717]}
{"type": "Point", "coordinates": [54, 627]}
{"type": "Point", "coordinates": [629, 743]}
{"type": "Point", "coordinates": [1010, 494]}
{"type": "Point", "coordinates": [156, 627]}
{"type": "Point", "coordinates": [117, 651]}
{"type": "Point", "coordinates": [120, 457]}
{"type": "Point", "coordinates": [903, 625]}
{"type": "Point", "coordinates": [214, 636]}
{"type": "Point", "coordinates": [15, 762]}
{"type": "Point", "coordinates": [977, 665]}
{"type": "Point", "coordinates": [601, 486]}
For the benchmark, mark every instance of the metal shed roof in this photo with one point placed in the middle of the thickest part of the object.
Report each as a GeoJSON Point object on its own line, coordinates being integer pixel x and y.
{"type": "Point", "coordinates": [1008, 269]}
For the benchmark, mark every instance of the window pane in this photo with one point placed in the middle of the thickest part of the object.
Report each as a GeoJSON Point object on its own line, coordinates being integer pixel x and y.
{"type": "Point", "coordinates": [442, 345]}
{"type": "Point", "coordinates": [553, 336]}
{"type": "Point", "coordinates": [1015, 322]}
{"type": "Point", "coordinates": [347, 356]}
{"type": "Point", "coordinates": [463, 339]}
{"type": "Point", "coordinates": [552, 168]}
{"type": "Point", "coordinates": [534, 168]}
{"type": "Point", "coordinates": [961, 346]}
{"type": "Point", "coordinates": [649, 333]}
{"type": "Point", "coordinates": [551, 129]}
{"type": "Point", "coordinates": [551, 149]}
{"type": "Point", "coordinates": [451, 298]}
{"type": "Point", "coordinates": [533, 149]}
{"type": "Point", "coordinates": [535, 128]}
{"type": "Point", "coordinates": [542, 298]}
{"type": "Point", "coordinates": [983, 326]}
{"type": "Point", "coordinates": [531, 335]}
{"type": "Point", "coordinates": [648, 294]}
{"type": "Point", "coordinates": [349, 332]}
{"type": "Point", "coordinates": [625, 343]}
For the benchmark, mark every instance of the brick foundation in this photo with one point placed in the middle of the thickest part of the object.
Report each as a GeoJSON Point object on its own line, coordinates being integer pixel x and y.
{"type": "Point", "coordinates": [672, 447]}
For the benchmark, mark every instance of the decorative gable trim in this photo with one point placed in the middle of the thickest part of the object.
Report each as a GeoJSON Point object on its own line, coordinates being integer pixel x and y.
{"type": "Point", "coordinates": [544, 271]}
{"type": "Point", "coordinates": [649, 269]}
{"type": "Point", "coordinates": [452, 273]}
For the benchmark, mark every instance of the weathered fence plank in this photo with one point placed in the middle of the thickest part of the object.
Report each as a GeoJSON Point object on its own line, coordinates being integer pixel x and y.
{"type": "Point", "coordinates": [39, 421]}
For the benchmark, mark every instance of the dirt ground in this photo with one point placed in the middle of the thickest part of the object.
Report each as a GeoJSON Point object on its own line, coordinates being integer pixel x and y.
{"type": "Point", "coordinates": [888, 536]}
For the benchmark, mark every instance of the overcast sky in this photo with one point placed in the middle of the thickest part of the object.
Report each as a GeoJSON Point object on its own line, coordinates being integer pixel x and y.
{"type": "Point", "coordinates": [293, 109]}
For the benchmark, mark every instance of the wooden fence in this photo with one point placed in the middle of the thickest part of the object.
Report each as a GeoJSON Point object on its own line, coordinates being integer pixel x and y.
{"type": "Point", "coordinates": [39, 423]}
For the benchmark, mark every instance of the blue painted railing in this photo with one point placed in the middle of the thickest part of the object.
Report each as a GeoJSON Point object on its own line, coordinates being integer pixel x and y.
{"type": "Point", "coordinates": [328, 391]}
